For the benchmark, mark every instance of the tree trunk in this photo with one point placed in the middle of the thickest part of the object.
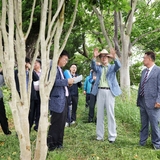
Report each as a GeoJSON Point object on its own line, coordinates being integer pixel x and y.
{"type": "Point", "coordinates": [124, 70]}
{"type": "Point", "coordinates": [41, 147]}
{"type": "Point", "coordinates": [19, 110]}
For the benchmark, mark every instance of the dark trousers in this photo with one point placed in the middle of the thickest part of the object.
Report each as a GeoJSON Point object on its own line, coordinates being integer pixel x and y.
{"type": "Point", "coordinates": [56, 129]}
{"type": "Point", "coordinates": [68, 118]}
{"type": "Point", "coordinates": [3, 118]}
{"type": "Point", "coordinates": [31, 116]}
{"type": "Point", "coordinates": [87, 99]}
{"type": "Point", "coordinates": [37, 110]}
{"type": "Point", "coordinates": [69, 103]}
{"type": "Point", "coordinates": [74, 100]}
{"type": "Point", "coordinates": [91, 107]}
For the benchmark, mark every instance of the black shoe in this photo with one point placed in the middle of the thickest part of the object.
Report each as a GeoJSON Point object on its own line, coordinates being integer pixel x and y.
{"type": "Point", "coordinates": [90, 120]}
{"type": "Point", "coordinates": [8, 132]}
{"type": "Point", "coordinates": [35, 128]}
{"type": "Point", "coordinates": [96, 121]}
{"type": "Point", "coordinates": [52, 148]}
{"type": "Point", "coordinates": [111, 141]}
{"type": "Point", "coordinates": [59, 147]}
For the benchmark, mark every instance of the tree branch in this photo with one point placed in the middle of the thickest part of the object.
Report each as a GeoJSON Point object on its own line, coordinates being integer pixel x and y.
{"type": "Point", "coordinates": [143, 35]}
{"type": "Point", "coordinates": [3, 26]}
{"type": "Point", "coordinates": [115, 39]}
{"type": "Point", "coordinates": [130, 19]}
{"type": "Point", "coordinates": [53, 20]}
{"type": "Point", "coordinates": [49, 12]}
{"type": "Point", "coordinates": [101, 20]}
{"type": "Point", "coordinates": [121, 26]}
{"type": "Point", "coordinates": [71, 26]}
{"type": "Point", "coordinates": [84, 52]}
{"type": "Point", "coordinates": [31, 19]}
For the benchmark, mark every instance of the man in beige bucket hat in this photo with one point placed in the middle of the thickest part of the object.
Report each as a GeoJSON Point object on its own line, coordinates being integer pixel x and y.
{"type": "Point", "coordinates": [106, 88]}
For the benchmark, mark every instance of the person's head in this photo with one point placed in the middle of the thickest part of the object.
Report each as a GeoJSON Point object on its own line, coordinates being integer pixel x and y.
{"type": "Point", "coordinates": [149, 59]}
{"type": "Point", "coordinates": [27, 60]}
{"type": "Point", "coordinates": [63, 58]}
{"type": "Point", "coordinates": [27, 63]}
{"type": "Point", "coordinates": [73, 68]}
{"type": "Point", "coordinates": [104, 57]}
{"type": "Point", "coordinates": [37, 64]}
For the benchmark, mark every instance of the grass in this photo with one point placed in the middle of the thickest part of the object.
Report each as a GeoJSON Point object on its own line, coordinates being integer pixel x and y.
{"type": "Point", "coordinates": [79, 139]}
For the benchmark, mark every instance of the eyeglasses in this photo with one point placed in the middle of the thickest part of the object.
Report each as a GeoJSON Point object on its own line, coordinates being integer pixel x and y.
{"type": "Point", "coordinates": [66, 59]}
{"type": "Point", "coordinates": [103, 56]}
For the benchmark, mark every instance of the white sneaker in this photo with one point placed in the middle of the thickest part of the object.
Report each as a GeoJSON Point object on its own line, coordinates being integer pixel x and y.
{"type": "Point", "coordinates": [73, 122]}
{"type": "Point", "coordinates": [67, 124]}
{"type": "Point", "coordinates": [99, 139]}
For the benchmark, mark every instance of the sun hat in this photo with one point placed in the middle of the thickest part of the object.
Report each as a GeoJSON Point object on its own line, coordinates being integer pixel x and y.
{"type": "Point", "coordinates": [104, 51]}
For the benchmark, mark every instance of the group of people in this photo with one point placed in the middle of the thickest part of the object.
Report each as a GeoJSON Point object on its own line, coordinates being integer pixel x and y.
{"type": "Point", "coordinates": [63, 95]}
{"type": "Point", "coordinates": [106, 88]}
{"type": "Point", "coordinates": [103, 89]}
{"type": "Point", "coordinates": [34, 109]}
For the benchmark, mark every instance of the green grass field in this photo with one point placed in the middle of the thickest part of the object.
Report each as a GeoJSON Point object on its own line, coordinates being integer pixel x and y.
{"type": "Point", "coordinates": [79, 139]}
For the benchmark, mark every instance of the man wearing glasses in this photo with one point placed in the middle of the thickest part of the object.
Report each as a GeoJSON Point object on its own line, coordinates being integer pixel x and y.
{"type": "Point", "coordinates": [106, 88]}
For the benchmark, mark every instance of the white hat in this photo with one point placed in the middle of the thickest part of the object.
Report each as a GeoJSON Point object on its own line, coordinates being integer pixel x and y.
{"type": "Point", "coordinates": [104, 51]}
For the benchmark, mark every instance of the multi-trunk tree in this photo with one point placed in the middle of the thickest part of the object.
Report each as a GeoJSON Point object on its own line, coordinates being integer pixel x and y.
{"type": "Point", "coordinates": [13, 38]}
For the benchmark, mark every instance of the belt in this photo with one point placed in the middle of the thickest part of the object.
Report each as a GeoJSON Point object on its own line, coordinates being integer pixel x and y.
{"type": "Point", "coordinates": [103, 88]}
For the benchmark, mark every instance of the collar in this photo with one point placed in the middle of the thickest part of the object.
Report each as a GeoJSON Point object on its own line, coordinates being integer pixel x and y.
{"type": "Point", "coordinates": [151, 67]}
{"type": "Point", "coordinates": [105, 66]}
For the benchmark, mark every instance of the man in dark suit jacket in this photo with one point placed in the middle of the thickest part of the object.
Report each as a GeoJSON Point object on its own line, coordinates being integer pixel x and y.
{"type": "Point", "coordinates": [58, 105]}
{"type": "Point", "coordinates": [149, 101]}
